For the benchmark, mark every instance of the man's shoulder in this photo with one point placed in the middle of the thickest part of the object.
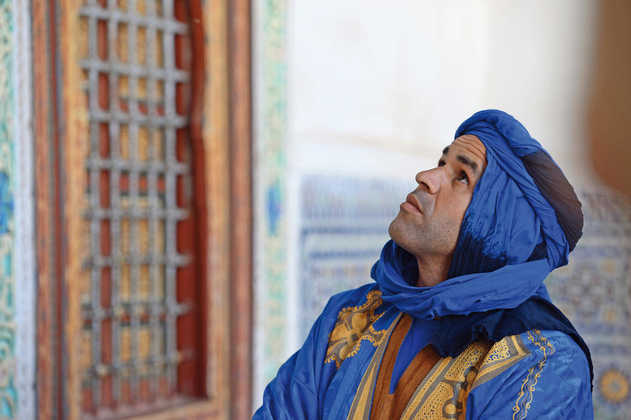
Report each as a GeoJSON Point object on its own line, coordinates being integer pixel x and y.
{"type": "Point", "coordinates": [538, 373]}
{"type": "Point", "coordinates": [534, 360]}
{"type": "Point", "coordinates": [552, 344]}
{"type": "Point", "coordinates": [537, 351]}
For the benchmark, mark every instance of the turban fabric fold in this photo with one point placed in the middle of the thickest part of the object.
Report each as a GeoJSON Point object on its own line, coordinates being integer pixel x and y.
{"type": "Point", "coordinates": [523, 203]}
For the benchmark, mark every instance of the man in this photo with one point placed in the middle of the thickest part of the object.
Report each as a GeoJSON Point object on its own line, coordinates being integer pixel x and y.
{"type": "Point", "coordinates": [458, 323]}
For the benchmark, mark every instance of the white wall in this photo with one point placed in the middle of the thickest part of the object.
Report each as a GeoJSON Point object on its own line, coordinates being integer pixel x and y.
{"type": "Point", "coordinates": [380, 90]}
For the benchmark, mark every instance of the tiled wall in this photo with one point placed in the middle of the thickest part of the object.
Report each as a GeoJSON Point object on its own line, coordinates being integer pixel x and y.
{"type": "Point", "coordinates": [343, 226]}
{"type": "Point", "coordinates": [594, 291]}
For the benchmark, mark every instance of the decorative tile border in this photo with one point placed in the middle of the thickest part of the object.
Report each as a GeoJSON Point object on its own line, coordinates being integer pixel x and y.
{"type": "Point", "coordinates": [270, 164]}
{"type": "Point", "coordinates": [8, 390]}
{"type": "Point", "coordinates": [24, 245]}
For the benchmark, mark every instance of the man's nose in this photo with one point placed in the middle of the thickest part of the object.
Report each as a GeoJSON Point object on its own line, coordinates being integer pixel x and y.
{"type": "Point", "coordinates": [429, 180]}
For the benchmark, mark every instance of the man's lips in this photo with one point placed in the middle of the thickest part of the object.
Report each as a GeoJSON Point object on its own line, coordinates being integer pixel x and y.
{"type": "Point", "coordinates": [411, 203]}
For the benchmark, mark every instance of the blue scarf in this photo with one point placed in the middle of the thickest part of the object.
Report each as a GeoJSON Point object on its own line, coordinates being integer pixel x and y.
{"type": "Point", "coordinates": [512, 236]}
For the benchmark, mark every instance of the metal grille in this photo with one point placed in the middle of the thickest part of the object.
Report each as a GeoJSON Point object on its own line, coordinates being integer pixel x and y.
{"type": "Point", "coordinates": [130, 308]}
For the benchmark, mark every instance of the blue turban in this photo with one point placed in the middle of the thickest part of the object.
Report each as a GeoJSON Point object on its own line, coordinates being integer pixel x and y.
{"type": "Point", "coordinates": [523, 208]}
{"type": "Point", "coordinates": [511, 236]}
{"type": "Point", "coordinates": [522, 222]}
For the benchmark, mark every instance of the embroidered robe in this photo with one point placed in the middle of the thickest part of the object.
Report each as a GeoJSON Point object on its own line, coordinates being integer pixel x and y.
{"type": "Point", "coordinates": [536, 374]}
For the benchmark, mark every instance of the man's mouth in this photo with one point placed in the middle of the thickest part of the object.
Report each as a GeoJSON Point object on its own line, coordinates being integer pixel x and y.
{"type": "Point", "coordinates": [411, 204]}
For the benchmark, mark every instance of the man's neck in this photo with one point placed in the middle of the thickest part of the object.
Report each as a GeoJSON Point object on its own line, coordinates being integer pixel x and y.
{"type": "Point", "coordinates": [432, 270]}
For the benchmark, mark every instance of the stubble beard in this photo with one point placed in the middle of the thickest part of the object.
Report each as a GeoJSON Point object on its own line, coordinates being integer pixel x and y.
{"type": "Point", "coordinates": [407, 235]}
{"type": "Point", "coordinates": [422, 240]}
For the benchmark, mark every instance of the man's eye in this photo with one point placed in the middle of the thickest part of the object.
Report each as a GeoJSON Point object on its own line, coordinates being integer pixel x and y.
{"type": "Point", "coordinates": [463, 177]}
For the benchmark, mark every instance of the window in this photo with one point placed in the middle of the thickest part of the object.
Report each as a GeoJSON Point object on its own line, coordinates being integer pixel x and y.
{"type": "Point", "coordinates": [142, 148]}
{"type": "Point", "coordinates": [141, 330]}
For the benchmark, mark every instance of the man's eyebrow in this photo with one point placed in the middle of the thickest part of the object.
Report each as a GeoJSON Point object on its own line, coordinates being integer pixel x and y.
{"type": "Point", "coordinates": [468, 162]}
{"type": "Point", "coordinates": [463, 159]}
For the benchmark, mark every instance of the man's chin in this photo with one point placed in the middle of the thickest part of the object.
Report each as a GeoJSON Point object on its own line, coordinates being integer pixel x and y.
{"type": "Point", "coordinates": [402, 234]}
{"type": "Point", "coordinates": [396, 230]}
{"type": "Point", "coordinates": [392, 229]}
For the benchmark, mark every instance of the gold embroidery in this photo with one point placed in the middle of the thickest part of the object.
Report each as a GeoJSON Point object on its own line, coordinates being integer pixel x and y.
{"type": "Point", "coordinates": [504, 354]}
{"type": "Point", "coordinates": [443, 392]}
{"type": "Point", "coordinates": [360, 409]}
{"type": "Point", "coordinates": [522, 392]}
{"type": "Point", "coordinates": [529, 384]}
{"type": "Point", "coordinates": [355, 324]}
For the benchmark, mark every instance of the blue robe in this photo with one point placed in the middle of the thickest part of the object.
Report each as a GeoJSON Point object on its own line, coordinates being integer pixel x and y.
{"type": "Point", "coordinates": [538, 374]}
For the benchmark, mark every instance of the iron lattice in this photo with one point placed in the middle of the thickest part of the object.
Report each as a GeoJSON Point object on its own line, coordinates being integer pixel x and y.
{"type": "Point", "coordinates": [138, 119]}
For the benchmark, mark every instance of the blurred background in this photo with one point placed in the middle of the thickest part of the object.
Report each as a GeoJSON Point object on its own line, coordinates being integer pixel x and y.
{"type": "Point", "coordinates": [184, 184]}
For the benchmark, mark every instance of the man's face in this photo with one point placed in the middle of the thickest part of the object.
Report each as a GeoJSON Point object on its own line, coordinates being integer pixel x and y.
{"type": "Point", "coordinates": [429, 220]}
